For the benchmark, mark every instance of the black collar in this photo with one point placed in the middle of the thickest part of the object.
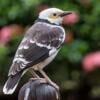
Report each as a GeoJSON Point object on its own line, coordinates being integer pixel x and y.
{"type": "Point", "coordinates": [46, 21]}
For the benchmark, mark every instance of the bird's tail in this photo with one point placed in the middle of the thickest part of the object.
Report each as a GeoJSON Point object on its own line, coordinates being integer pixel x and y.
{"type": "Point", "coordinates": [11, 83]}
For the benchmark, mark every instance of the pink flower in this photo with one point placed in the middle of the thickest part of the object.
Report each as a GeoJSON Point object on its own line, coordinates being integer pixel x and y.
{"type": "Point", "coordinates": [71, 19]}
{"type": "Point", "coordinates": [7, 33]}
{"type": "Point", "coordinates": [91, 61]}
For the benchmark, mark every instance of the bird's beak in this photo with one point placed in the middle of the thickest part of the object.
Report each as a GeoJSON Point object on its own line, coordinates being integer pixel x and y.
{"type": "Point", "coordinates": [65, 13]}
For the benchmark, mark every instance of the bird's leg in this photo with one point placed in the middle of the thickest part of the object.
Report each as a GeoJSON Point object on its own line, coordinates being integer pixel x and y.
{"type": "Point", "coordinates": [48, 79]}
{"type": "Point", "coordinates": [33, 73]}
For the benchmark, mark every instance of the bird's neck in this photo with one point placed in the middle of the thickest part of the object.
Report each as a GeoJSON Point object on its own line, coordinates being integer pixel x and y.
{"type": "Point", "coordinates": [45, 21]}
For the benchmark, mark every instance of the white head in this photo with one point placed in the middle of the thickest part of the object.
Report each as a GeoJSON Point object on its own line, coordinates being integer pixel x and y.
{"type": "Point", "coordinates": [53, 15]}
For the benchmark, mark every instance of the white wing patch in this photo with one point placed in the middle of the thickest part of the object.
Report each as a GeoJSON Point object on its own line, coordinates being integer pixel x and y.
{"type": "Point", "coordinates": [52, 51]}
{"type": "Point", "coordinates": [20, 55]}
{"type": "Point", "coordinates": [21, 47]}
{"type": "Point", "coordinates": [20, 60]}
{"type": "Point", "coordinates": [21, 64]}
{"type": "Point", "coordinates": [43, 45]}
{"type": "Point", "coordinates": [32, 41]}
{"type": "Point", "coordinates": [26, 47]}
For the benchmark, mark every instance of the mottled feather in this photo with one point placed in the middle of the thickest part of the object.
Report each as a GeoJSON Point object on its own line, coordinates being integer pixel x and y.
{"type": "Point", "coordinates": [39, 40]}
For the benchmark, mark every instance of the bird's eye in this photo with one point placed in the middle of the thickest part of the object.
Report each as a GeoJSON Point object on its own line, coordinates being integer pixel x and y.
{"type": "Point", "coordinates": [54, 14]}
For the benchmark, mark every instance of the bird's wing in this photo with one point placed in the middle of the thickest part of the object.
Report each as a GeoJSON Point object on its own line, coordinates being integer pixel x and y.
{"type": "Point", "coordinates": [39, 43]}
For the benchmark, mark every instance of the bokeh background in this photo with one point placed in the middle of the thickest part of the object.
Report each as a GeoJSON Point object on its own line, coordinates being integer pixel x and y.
{"type": "Point", "coordinates": [76, 68]}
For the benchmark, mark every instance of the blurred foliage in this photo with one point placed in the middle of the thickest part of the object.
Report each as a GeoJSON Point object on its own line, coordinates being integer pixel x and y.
{"type": "Point", "coordinates": [66, 69]}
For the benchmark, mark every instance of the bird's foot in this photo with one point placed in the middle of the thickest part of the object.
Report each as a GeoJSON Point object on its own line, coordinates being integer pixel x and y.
{"type": "Point", "coordinates": [54, 85]}
{"type": "Point", "coordinates": [32, 79]}
{"type": "Point", "coordinates": [42, 80]}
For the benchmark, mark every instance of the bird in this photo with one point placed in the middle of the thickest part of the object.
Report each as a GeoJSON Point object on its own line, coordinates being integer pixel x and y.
{"type": "Point", "coordinates": [39, 46]}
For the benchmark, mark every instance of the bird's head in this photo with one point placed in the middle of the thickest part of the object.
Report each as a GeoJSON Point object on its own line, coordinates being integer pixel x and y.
{"type": "Point", "coordinates": [53, 15]}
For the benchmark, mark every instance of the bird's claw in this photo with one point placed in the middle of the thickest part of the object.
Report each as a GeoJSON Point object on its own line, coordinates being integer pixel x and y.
{"type": "Point", "coordinates": [55, 85]}
{"type": "Point", "coordinates": [42, 80]}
